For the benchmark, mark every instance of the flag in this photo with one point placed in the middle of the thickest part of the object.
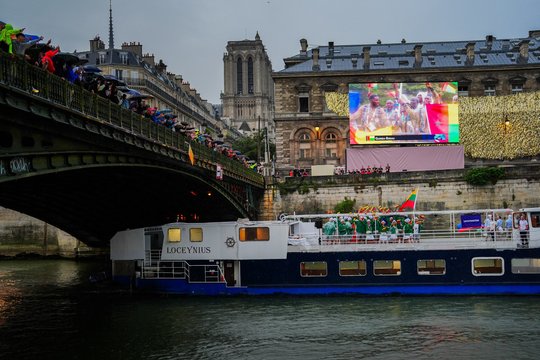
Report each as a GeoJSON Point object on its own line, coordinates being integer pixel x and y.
{"type": "Point", "coordinates": [410, 203]}
{"type": "Point", "coordinates": [191, 155]}
{"type": "Point", "coordinates": [449, 88]}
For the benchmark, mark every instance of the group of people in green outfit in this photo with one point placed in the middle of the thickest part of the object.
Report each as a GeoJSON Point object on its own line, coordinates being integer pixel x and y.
{"type": "Point", "coordinates": [365, 228]}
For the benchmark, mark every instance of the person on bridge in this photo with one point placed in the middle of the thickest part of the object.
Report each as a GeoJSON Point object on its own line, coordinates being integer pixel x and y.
{"type": "Point", "coordinates": [47, 60]}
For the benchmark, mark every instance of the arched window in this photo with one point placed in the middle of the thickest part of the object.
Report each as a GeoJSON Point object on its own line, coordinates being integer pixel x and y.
{"type": "Point", "coordinates": [304, 146]}
{"type": "Point", "coordinates": [250, 75]}
{"type": "Point", "coordinates": [239, 81]}
{"type": "Point", "coordinates": [330, 145]}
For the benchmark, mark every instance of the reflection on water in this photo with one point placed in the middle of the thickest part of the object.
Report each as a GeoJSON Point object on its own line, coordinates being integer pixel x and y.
{"type": "Point", "coordinates": [48, 309]}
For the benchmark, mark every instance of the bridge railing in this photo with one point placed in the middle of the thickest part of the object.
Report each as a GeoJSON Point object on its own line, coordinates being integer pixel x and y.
{"type": "Point", "coordinates": [34, 81]}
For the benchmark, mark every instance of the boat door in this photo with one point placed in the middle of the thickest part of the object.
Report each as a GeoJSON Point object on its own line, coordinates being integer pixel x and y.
{"type": "Point", "coordinates": [228, 268]}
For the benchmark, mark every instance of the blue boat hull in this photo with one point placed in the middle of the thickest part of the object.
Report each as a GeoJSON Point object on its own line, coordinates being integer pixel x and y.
{"type": "Point", "coordinates": [267, 277]}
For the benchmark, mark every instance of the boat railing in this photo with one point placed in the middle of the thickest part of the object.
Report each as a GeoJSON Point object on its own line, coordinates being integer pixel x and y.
{"type": "Point", "coordinates": [166, 270]}
{"type": "Point", "coordinates": [155, 268]}
{"type": "Point", "coordinates": [433, 237]}
{"type": "Point", "coordinates": [205, 274]}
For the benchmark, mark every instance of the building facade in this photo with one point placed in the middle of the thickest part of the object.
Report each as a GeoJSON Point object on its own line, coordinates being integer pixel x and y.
{"type": "Point", "coordinates": [248, 95]}
{"type": "Point", "coordinates": [141, 72]}
{"type": "Point", "coordinates": [309, 133]}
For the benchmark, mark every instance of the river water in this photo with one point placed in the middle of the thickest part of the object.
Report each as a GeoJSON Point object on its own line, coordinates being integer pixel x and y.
{"type": "Point", "coordinates": [49, 310]}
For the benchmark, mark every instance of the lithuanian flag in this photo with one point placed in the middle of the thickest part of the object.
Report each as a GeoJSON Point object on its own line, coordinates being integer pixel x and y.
{"type": "Point", "coordinates": [191, 155]}
{"type": "Point", "coordinates": [410, 203]}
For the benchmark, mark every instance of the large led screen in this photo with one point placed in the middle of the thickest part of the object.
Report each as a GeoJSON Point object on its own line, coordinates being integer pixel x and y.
{"type": "Point", "coordinates": [403, 113]}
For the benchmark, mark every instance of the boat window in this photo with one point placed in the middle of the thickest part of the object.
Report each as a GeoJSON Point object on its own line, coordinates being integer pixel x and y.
{"type": "Point", "coordinates": [431, 267]}
{"type": "Point", "coordinates": [526, 266]}
{"type": "Point", "coordinates": [195, 234]}
{"type": "Point", "coordinates": [487, 266]}
{"type": "Point", "coordinates": [387, 267]}
{"type": "Point", "coordinates": [254, 234]}
{"type": "Point", "coordinates": [352, 268]}
{"type": "Point", "coordinates": [313, 268]}
{"type": "Point", "coordinates": [535, 219]}
{"type": "Point", "coordinates": [174, 235]}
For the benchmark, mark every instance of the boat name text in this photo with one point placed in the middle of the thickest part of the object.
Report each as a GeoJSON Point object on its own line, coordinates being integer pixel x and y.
{"type": "Point", "coordinates": [189, 250]}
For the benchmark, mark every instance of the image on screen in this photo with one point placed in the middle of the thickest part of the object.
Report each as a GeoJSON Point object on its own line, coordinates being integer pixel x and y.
{"type": "Point", "coordinates": [403, 113]}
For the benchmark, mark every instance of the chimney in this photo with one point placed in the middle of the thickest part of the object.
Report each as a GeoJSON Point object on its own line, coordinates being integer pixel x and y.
{"type": "Point", "coordinates": [469, 48]}
{"type": "Point", "coordinates": [366, 56]}
{"type": "Point", "coordinates": [331, 48]}
{"type": "Point", "coordinates": [96, 44]}
{"type": "Point", "coordinates": [417, 55]}
{"type": "Point", "coordinates": [303, 46]}
{"type": "Point", "coordinates": [161, 67]}
{"type": "Point", "coordinates": [135, 48]}
{"type": "Point", "coordinates": [149, 59]}
{"type": "Point", "coordinates": [534, 33]}
{"type": "Point", "coordinates": [489, 41]}
{"type": "Point", "coordinates": [523, 51]}
{"type": "Point", "coordinates": [316, 66]}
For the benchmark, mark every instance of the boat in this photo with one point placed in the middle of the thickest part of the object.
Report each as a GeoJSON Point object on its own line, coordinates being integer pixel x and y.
{"type": "Point", "coordinates": [446, 253]}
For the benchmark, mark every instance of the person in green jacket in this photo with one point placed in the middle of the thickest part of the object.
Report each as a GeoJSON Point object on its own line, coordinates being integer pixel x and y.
{"type": "Point", "coordinates": [361, 228]}
{"type": "Point", "coordinates": [6, 43]}
{"type": "Point", "coordinates": [407, 230]}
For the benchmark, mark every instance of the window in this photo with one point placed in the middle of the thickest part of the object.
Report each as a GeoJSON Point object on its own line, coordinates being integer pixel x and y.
{"type": "Point", "coordinates": [174, 235]}
{"type": "Point", "coordinates": [535, 219]}
{"type": "Point", "coordinates": [239, 81]}
{"type": "Point", "coordinates": [463, 90]}
{"type": "Point", "coordinates": [526, 266]}
{"type": "Point", "coordinates": [118, 74]}
{"type": "Point", "coordinates": [487, 266]}
{"type": "Point", "coordinates": [330, 137]}
{"type": "Point", "coordinates": [195, 234]}
{"type": "Point", "coordinates": [124, 58]}
{"type": "Point", "coordinates": [101, 58]}
{"type": "Point", "coordinates": [517, 88]}
{"type": "Point", "coordinates": [303, 102]}
{"type": "Point", "coordinates": [313, 268]}
{"type": "Point", "coordinates": [387, 267]}
{"type": "Point", "coordinates": [304, 154]}
{"type": "Point", "coordinates": [330, 146]}
{"type": "Point", "coordinates": [304, 137]}
{"type": "Point", "coordinates": [431, 267]}
{"type": "Point", "coordinates": [254, 234]}
{"type": "Point", "coordinates": [489, 90]}
{"type": "Point", "coordinates": [250, 75]}
{"type": "Point", "coordinates": [352, 268]}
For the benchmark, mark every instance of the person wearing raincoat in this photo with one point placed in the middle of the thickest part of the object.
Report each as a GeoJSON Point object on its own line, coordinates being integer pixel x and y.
{"type": "Point", "coordinates": [6, 33]}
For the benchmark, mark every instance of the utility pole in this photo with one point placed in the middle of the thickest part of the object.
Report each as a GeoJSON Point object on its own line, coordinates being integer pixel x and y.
{"type": "Point", "coordinates": [259, 140]}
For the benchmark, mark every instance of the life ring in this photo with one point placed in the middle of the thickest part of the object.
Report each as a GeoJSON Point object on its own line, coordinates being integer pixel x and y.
{"type": "Point", "coordinates": [281, 217]}
{"type": "Point", "coordinates": [230, 242]}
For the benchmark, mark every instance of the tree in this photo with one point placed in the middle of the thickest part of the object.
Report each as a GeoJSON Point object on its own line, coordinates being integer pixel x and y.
{"type": "Point", "coordinates": [248, 146]}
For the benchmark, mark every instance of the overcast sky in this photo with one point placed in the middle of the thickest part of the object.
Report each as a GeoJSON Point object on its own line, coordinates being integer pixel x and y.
{"type": "Point", "coordinates": [191, 35]}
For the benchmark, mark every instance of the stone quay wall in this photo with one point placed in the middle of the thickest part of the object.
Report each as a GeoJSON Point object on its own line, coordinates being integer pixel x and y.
{"type": "Point", "coordinates": [441, 190]}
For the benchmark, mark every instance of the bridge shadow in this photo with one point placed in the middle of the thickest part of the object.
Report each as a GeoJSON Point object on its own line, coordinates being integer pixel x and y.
{"type": "Point", "coordinates": [93, 203]}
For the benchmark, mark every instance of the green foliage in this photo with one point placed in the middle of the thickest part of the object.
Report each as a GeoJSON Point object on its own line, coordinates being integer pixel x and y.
{"type": "Point", "coordinates": [345, 206]}
{"type": "Point", "coordinates": [248, 146]}
{"type": "Point", "coordinates": [303, 189]}
{"type": "Point", "coordinates": [484, 176]}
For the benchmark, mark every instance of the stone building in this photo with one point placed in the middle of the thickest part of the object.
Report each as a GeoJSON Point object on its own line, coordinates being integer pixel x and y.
{"type": "Point", "coordinates": [309, 133]}
{"type": "Point", "coordinates": [140, 71]}
{"type": "Point", "coordinates": [248, 95]}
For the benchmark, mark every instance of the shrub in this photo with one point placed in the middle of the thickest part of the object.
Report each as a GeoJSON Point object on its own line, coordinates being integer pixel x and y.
{"type": "Point", "coordinates": [484, 176]}
{"type": "Point", "coordinates": [345, 206]}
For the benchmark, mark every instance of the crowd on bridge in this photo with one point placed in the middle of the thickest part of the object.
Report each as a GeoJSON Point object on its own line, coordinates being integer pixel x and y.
{"type": "Point", "coordinates": [16, 44]}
